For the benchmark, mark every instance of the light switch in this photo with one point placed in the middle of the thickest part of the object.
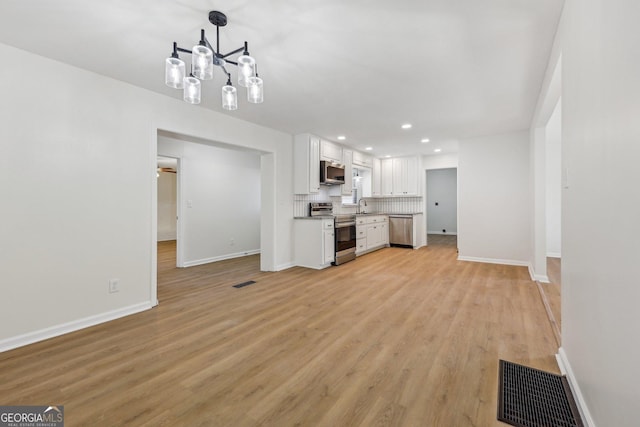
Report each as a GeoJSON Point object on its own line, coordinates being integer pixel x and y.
{"type": "Point", "coordinates": [189, 203]}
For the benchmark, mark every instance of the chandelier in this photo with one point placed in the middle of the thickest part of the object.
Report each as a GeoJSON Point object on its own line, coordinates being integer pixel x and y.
{"type": "Point", "coordinates": [203, 59]}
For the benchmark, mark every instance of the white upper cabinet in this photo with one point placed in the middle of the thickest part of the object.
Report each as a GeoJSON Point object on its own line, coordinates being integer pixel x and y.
{"type": "Point", "coordinates": [400, 176]}
{"type": "Point", "coordinates": [306, 164]}
{"type": "Point", "coordinates": [347, 160]}
{"type": "Point", "coordinates": [330, 151]}
{"type": "Point", "coordinates": [386, 177]}
{"type": "Point", "coordinates": [361, 159]}
{"type": "Point", "coordinates": [412, 187]}
{"type": "Point", "coordinates": [376, 189]}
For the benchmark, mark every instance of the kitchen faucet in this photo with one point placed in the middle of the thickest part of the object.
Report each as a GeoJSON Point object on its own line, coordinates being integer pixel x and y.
{"type": "Point", "coordinates": [365, 203]}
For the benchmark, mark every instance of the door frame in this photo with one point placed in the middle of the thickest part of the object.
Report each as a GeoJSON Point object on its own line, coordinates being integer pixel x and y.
{"type": "Point", "coordinates": [179, 207]}
{"type": "Point", "coordinates": [268, 204]}
{"type": "Point", "coordinates": [426, 199]}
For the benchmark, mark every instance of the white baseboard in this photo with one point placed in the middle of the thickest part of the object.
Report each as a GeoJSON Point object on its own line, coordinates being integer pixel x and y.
{"type": "Point", "coordinates": [221, 258]}
{"type": "Point", "coordinates": [65, 328]}
{"type": "Point", "coordinates": [565, 368]}
{"type": "Point", "coordinates": [554, 255]}
{"type": "Point", "coordinates": [494, 261]}
{"type": "Point", "coordinates": [448, 233]}
{"type": "Point", "coordinates": [284, 266]}
{"type": "Point", "coordinates": [166, 237]}
{"type": "Point", "coordinates": [542, 278]}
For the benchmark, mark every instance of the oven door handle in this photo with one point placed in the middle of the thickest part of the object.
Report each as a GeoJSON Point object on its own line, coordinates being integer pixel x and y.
{"type": "Point", "coordinates": [345, 224]}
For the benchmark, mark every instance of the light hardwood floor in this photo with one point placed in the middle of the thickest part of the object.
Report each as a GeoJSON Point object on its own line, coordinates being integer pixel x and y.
{"type": "Point", "coordinates": [399, 337]}
{"type": "Point", "coordinates": [441, 240]}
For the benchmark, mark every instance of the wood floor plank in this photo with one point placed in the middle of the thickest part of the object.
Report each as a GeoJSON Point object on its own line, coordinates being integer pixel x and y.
{"type": "Point", "coordinates": [399, 337]}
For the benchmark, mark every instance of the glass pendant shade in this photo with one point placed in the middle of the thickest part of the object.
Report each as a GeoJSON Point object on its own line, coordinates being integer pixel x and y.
{"type": "Point", "coordinates": [192, 90]}
{"type": "Point", "coordinates": [202, 62]}
{"type": "Point", "coordinates": [246, 69]}
{"type": "Point", "coordinates": [174, 73]}
{"type": "Point", "coordinates": [229, 97]}
{"type": "Point", "coordinates": [255, 93]}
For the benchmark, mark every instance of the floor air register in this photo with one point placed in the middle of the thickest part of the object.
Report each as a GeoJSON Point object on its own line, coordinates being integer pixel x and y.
{"type": "Point", "coordinates": [529, 397]}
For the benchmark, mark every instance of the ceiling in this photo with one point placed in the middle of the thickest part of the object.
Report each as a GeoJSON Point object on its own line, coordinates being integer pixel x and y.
{"type": "Point", "coordinates": [454, 69]}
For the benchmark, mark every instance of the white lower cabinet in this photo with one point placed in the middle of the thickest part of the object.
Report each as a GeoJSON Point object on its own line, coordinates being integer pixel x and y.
{"type": "Point", "coordinates": [372, 232]}
{"type": "Point", "coordinates": [374, 235]}
{"type": "Point", "coordinates": [314, 242]}
{"type": "Point", "coordinates": [361, 245]}
{"type": "Point", "coordinates": [329, 246]}
{"type": "Point", "coordinates": [384, 231]}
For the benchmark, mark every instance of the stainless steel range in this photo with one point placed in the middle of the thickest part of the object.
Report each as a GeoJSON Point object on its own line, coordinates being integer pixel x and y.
{"type": "Point", "coordinates": [321, 209]}
{"type": "Point", "coordinates": [345, 238]}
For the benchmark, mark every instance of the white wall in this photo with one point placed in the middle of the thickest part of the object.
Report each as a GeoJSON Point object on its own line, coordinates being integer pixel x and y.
{"type": "Point", "coordinates": [167, 207]}
{"type": "Point", "coordinates": [220, 200]}
{"type": "Point", "coordinates": [70, 232]}
{"type": "Point", "coordinates": [493, 199]}
{"type": "Point", "coordinates": [601, 207]}
{"type": "Point", "coordinates": [442, 188]}
{"type": "Point", "coordinates": [442, 161]}
{"type": "Point", "coordinates": [553, 146]}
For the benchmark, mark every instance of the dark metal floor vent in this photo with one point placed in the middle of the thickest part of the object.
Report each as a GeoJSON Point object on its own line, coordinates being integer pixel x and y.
{"type": "Point", "coordinates": [243, 284]}
{"type": "Point", "coordinates": [529, 397]}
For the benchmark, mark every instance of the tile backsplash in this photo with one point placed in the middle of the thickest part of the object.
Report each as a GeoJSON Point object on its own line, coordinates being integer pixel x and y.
{"type": "Point", "coordinates": [397, 205]}
{"type": "Point", "coordinates": [301, 202]}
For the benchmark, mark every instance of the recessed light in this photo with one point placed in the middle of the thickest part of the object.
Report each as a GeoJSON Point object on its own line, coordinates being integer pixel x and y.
{"type": "Point", "coordinates": [424, 140]}
{"type": "Point", "coordinates": [437, 150]}
{"type": "Point", "coordinates": [342, 137]}
{"type": "Point", "coordinates": [369, 148]}
{"type": "Point", "coordinates": [406, 126]}
{"type": "Point", "coordinates": [387, 156]}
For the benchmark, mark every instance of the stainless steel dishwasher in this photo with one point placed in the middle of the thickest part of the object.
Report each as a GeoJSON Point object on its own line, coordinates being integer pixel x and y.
{"type": "Point", "coordinates": [401, 230]}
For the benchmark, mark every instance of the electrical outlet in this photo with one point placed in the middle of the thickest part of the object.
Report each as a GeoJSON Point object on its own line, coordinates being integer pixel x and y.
{"type": "Point", "coordinates": [114, 285]}
{"type": "Point", "coordinates": [232, 241]}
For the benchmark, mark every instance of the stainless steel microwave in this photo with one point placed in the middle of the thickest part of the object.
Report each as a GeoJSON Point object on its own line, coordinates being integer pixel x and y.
{"type": "Point", "coordinates": [331, 173]}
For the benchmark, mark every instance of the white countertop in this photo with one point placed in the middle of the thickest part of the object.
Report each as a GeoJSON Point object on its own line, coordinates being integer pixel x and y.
{"type": "Point", "coordinates": [359, 214]}
{"type": "Point", "coordinates": [314, 217]}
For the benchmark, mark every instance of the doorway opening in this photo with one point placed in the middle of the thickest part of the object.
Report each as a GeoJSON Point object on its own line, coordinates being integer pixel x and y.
{"type": "Point", "coordinates": [551, 288]}
{"type": "Point", "coordinates": [209, 204]}
{"type": "Point", "coordinates": [442, 206]}
{"type": "Point", "coordinates": [548, 183]}
{"type": "Point", "coordinates": [167, 233]}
